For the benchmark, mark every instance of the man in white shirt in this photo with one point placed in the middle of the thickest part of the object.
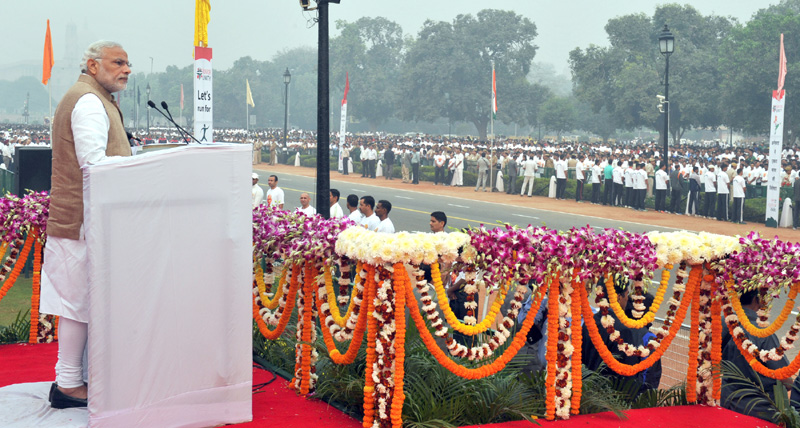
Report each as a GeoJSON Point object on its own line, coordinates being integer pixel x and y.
{"type": "Point", "coordinates": [618, 177]}
{"type": "Point", "coordinates": [529, 171]}
{"type": "Point", "coordinates": [305, 205]}
{"type": "Point", "coordinates": [661, 180]}
{"type": "Point", "coordinates": [87, 129]}
{"type": "Point", "coordinates": [275, 197]}
{"type": "Point", "coordinates": [722, 194]}
{"type": "Point", "coordinates": [710, 184]}
{"type": "Point", "coordinates": [597, 179]}
{"type": "Point", "coordinates": [439, 162]}
{"type": "Point", "coordinates": [627, 175]}
{"type": "Point", "coordinates": [370, 221]}
{"type": "Point", "coordinates": [382, 211]}
{"type": "Point", "coordinates": [458, 177]}
{"type": "Point", "coordinates": [257, 192]}
{"type": "Point", "coordinates": [639, 178]}
{"type": "Point", "coordinates": [352, 206]}
{"type": "Point", "coordinates": [561, 176]}
{"type": "Point", "coordinates": [580, 177]}
{"type": "Point", "coordinates": [739, 185]}
{"type": "Point", "coordinates": [336, 210]}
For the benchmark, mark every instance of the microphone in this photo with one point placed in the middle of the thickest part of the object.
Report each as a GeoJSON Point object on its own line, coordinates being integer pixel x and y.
{"type": "Point", "coordinates": [131, 137]}
{"type": "Point", "coordinates": [164, 106]}
{"type": "Point", "coordinates": [152, 105]}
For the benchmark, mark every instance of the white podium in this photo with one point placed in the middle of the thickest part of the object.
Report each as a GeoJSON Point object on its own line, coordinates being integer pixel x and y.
{"type": "Point", "coordinates": [170, 267]}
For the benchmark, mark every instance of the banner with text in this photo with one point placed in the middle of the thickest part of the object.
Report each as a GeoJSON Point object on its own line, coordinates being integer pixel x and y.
{"type": "Point", "coordinates": [342, 135]}
{"type": "Point", "coordinates": [203, 110]}
{"type": "Point", "coordinates": [775, 148]}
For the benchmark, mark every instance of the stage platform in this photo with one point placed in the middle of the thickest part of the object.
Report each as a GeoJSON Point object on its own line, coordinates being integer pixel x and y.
{"type": "Point", "coordinates": [26, 372]}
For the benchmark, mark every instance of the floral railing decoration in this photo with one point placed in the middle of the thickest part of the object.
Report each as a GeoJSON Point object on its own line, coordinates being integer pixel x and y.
{"type": "Point", "coordinates": [357, 284]}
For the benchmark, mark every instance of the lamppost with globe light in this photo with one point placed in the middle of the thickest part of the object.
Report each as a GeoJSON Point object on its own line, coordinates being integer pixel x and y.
{"type": "Point", "coordinates": [666, 45]}
{"type": "Point", "coordinates": [287, 77]}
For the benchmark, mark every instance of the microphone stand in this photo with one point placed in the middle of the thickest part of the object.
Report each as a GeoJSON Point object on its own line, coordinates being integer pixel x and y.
{"type": "Point", "coordinates": [152, 105]}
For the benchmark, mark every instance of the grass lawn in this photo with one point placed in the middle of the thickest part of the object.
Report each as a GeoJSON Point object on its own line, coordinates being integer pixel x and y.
{"type": "Point", "coordinates": [17, 300]}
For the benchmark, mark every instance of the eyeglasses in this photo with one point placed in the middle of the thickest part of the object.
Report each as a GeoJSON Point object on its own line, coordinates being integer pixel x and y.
{"type": "Point", "coordinates": [118, 62]}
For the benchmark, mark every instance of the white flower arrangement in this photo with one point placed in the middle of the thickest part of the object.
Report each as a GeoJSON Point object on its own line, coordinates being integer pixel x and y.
{"type": "Point", "coordinates": [403, 247]}
{"type": "Point", "coordinates": [694, 248]}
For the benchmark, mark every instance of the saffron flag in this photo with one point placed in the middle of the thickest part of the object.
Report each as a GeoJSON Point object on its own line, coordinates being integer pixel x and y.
{"type": "Point", "coordinates": [782, 67]}
{"type": "Point", "coordinates": [181, 96]}
{"type": "Point", "coordinates": [202, 14]}
{"type": "Point", "coordinates": [249, 95]}
{"type": "Point", "coordinates": [494, 94]}
{"type": "Point", "coordinates": [47, 65]}
{"type": "Point", "coordinates": [346, 87]}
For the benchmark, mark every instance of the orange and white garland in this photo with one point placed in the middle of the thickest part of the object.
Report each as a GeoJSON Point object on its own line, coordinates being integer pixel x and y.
{"type": "Point", "coordinates": [564, 360]}
{"type": "Point", "coordinates": [474, 353]}
{"type": "Point", "coordinates": [705, 382]}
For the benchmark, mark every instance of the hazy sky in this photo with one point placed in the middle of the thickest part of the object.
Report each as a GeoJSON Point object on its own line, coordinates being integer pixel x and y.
{"type": "Point", "coordinates": [164, 29]}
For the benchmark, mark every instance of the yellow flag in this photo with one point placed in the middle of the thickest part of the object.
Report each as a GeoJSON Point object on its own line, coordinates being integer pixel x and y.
{"type": "Point", "coordinates": [249, 95]}
{"type": "Point", "coordinates": [202, 14]}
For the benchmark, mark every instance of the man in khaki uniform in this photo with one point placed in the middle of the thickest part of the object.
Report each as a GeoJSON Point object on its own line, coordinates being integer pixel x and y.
{"type": "Point", "coordinates": [87, 128]}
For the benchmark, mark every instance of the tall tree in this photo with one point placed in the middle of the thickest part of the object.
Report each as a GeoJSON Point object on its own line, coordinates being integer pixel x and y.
{"type": "Point", "coordinates": [558, 114]}
{"type": "Point", "coordinates": [624, 78]}
{"type": "Point", "coordinates": [455, 58]}
{"type": "Point", "coordinates": [370, 50]}
{"type": "Point", "coordinates": [749, 64]}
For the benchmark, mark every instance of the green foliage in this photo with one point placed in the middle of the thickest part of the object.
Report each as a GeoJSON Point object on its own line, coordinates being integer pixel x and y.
{"type": "Point", "coordinates": [750, 68]}
{"type": "Point", "coordinates": [751, 393]}
{"type": "Point", "coordinates": [558, 114]}
{"type": "Point", "coordinates": [17, 331]}
{"type": "Point", "coordinates": [622, 80]}
{"type": "Point", "coordinates": [448, 65]}
{"type": "Point", "coordinates": [369, 50]}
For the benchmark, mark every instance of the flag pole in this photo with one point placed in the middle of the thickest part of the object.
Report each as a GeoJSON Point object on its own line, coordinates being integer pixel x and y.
{"type": "Point", "coordinates": [491, 147]}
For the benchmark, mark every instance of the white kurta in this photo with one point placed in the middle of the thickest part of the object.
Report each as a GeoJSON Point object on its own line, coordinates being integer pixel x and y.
{"type": "Point", "coordinates": [65, 278]}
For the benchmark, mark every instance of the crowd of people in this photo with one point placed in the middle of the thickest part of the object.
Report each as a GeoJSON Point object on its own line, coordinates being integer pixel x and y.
{"type": "Point", "coordinates": [705, 179]}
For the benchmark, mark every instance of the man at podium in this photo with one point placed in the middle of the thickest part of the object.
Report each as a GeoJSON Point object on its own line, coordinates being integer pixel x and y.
{"type": "Point", "coordinates": [87, 128]}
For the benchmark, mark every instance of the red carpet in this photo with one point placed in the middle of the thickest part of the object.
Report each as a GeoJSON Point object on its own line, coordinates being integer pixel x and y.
{"type": "Point", "coordinates": [659, 417]}
{"type": "Point", "coordinates": [278, 406]}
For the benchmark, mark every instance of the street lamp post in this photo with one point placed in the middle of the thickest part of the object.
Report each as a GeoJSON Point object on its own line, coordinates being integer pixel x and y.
{"type": "Point", "coordinates": [287, 77]}
{"type": "Point", "coordinates": [666, 45]}
{"type": "Point", "coordinates": [147, 91]}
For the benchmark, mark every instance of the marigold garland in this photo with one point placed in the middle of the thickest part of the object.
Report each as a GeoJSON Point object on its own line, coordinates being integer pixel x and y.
{"type": "Point", "coordinates": [477, 372]}
{"type": "Point", "coordinates": [630, 370]}
{"type": "Point", "coordinates": [372, 331]}
{"type": "Point", "coordinates": [772, 328]}
{"type": "Point", "coordinates": [36, 287]}
{"type": "Point", "coordinates": [358, 334]}
{"type": "Point", "coordinates": [266, 301]}
{"type": "Point", "coordinates": [400, 283]}
{"type": "Point", "coordinates": [552, 348]}
{"type": "Point", "coordinates": [286, 309]}
{"type": "Point", "coordinates": [17, 262]}
{"type": "Point", "coordinates": [332, 300]}
{"type": "Point", "coordinates": [691, 374]}
{"type": "Point", "coordinates": [716, 344]}
{"type": "Point", "coordinates": [577, 342]}
{"type": "Point", "coordinates": [469, 330]}
{"type": "Point", "coordinates": [739, 337]}
{"type": "Point", "coordinates": [648, 317]}
{"type": "Point", "coordinates": [308, 324]}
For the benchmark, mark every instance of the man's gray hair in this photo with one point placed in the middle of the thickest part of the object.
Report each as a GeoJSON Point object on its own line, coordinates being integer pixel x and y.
{"type": "Point", "coordinates": [94, 51]}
